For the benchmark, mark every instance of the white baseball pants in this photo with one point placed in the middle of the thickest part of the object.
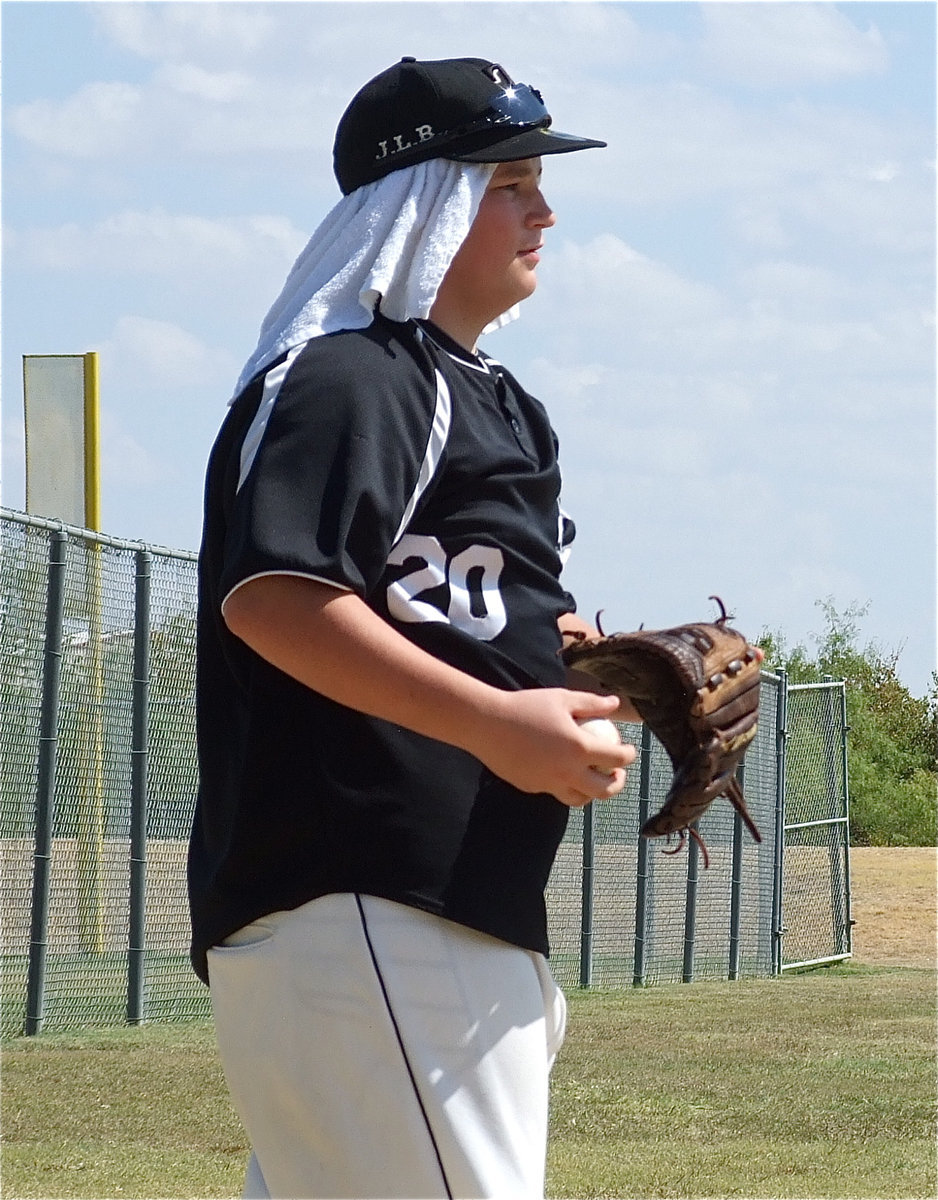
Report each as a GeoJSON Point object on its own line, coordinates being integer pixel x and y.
{"type": "Point", "coordinates": [374, 1050]}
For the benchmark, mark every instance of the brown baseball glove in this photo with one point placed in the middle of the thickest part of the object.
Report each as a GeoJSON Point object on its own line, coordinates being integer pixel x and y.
{"type": "Point", "coordinates": [697, 688]}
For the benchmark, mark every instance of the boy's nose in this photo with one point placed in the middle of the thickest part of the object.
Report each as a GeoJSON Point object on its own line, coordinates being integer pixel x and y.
{"type": "Point", "coordinates": [543, 215]}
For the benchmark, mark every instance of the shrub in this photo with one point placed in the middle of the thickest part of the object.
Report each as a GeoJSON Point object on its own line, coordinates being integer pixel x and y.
{"type": "Point", "coordinates": [892, 746]}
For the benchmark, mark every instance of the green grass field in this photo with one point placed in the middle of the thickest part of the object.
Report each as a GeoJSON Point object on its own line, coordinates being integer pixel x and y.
{"type": "Point", "coordinates": [813, 1085]}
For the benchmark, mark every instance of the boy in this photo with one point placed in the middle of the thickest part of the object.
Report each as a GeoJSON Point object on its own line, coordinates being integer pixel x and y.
{"type": "Point", "coordinates": [388, 745]}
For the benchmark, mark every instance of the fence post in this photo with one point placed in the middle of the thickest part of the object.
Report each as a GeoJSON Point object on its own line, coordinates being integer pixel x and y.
{"type": "Point", "coordinates": [838, 835]}
{"type": "Point", "coordinates": [736, 884]}
{"type": "Point", "coordinates": [844, 730]}
{"type": "Point", "coordinates": [138, 792]}
{"type": "Point", "coordinates": [690, 908]}
{"type": "Point", "coordinates": [781, 744]}
{"type": "Point", "coordinates": [639, 967]}
{"type": "Point", "coordinates": [90, 799]}
{"type": "Point", "coordinates": [45, 785]}
{"type": "Point", "coordinates": [586, 900]}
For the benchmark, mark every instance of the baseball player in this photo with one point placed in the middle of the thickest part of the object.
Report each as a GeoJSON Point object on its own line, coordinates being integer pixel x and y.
{"type": "Point", "coordinates": [388, 742]}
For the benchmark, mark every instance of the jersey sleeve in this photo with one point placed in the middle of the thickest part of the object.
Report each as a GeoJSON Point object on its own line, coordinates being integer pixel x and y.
{"type": "Point", "coordinates": [329, 466]}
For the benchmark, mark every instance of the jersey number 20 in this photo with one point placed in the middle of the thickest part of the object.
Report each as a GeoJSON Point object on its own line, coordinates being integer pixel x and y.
{"type": "Point", "coordinates": [475, 604]}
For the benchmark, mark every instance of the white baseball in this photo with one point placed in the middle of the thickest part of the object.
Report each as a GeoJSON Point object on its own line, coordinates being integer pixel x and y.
{"type": "Point", "coordinates": [602, 728]}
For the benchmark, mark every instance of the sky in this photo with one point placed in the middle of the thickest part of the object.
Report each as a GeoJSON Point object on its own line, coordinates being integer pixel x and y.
{"type": "Point", "coordinates": [734, 325]}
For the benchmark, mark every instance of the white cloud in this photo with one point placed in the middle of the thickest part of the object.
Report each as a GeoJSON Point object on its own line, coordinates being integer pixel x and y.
{"type": "Point", "coordinates": [320, 35]}
{"type": "Point", "coordinates": [621, 396]}
{"type": "Point", "coordinates": [573, 384]}
{"type": "Point", "coordinates": [769, 45]}
{"type": "Point", "coordinates": [847, 203]}
{"type": "Point", "coordinates": [758, 222]}
{"type": "Point", "coordinates": [142, 351]}
{"type": "Point", "coordinates": [883, 172]}
{"type": "Point", "coordinates": [95, 121]}
{"type": "Point", "coordinates": [160, 243]}
{"type": "Point", "coordinates": [176, 31]}
{"type": "Point", "coordinates": [778, 317]}
{"type": "Point", "coordinates": [801, 287]}
{"type": "Point", "coordinates": [772, 171]}
{"type": "Point", "coordinates": [216, 86]}
{"type": "Point", "coordinates": [182, 112]}
{"type": "Point", "coordinates": [124, 461]}
{"type": "Point", "coordinates": [614, 286]}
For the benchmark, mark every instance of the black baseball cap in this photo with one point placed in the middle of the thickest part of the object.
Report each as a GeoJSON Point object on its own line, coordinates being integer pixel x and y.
{"type": "Point", "coordinates": [467, 109]}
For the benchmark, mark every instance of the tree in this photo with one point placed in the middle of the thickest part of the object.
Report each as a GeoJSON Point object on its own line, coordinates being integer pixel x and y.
{"type": "Point", "coordinates": [892, 746]}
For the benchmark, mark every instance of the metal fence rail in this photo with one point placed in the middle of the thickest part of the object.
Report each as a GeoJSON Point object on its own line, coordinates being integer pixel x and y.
{"type": "Point", "coordinates": [98, 781]}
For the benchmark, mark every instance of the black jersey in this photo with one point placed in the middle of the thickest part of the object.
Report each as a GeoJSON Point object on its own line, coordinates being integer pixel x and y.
{"type": "Point", "coordinates": [390, 462]}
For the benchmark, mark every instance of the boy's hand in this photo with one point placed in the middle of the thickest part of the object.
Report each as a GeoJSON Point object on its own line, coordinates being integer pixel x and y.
{"type": "Point", "coordinates": [532, 740]}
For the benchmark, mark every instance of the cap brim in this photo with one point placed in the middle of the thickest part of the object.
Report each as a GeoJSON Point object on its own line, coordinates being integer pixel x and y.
{"type": "Point", "coordinates": [532, 143]}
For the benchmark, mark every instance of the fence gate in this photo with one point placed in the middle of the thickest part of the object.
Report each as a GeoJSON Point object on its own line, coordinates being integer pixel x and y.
{"type": "Point", "coordinates": [814, 921]}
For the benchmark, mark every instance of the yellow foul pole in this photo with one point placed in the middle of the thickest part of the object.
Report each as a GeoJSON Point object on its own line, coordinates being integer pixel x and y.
{"type": "Point", "coordinates": [92, 444]}
{"type": "Point", "coordinates": [92, 823]}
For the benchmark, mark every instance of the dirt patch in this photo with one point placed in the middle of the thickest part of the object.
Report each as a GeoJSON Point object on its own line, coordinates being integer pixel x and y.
{"type": "Point", "coordinates": [894, 905]}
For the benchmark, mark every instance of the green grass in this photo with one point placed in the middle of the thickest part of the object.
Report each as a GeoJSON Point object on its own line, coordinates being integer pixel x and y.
{"type": "Point", "coordinates": [122, 1112]}
{"type": "Point", "coordinates": [813, 1085]}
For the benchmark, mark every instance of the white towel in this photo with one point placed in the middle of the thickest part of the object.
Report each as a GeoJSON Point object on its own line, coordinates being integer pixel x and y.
{"type": "Point", "coordinates": [389, 242]}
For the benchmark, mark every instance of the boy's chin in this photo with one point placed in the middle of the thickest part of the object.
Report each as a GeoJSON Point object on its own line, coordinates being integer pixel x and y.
{"type": "Point", "coordinates": [527, 285]}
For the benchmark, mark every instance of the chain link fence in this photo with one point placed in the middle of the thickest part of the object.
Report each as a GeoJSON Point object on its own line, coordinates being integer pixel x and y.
{"type": "Point", "coordinates": [98, 776]}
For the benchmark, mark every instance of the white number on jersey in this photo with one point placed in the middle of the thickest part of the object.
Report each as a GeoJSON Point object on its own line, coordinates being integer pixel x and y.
{"type": "Point", "coordinates": [475, 604]}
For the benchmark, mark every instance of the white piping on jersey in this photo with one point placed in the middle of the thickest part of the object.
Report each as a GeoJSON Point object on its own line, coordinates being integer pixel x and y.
{"type": "Point", "coordinates": [564, 547]}
{"type": "Point", "coordinates": [474, 362]}
{"type": "Point", "coordinates": [436, 444]}
{"type": "Point", "coordinates": [273, 382]}
{"type": "Point", "coordinates": [339, 587]}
